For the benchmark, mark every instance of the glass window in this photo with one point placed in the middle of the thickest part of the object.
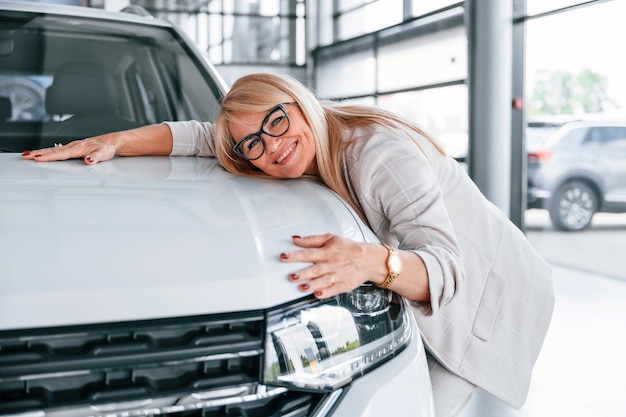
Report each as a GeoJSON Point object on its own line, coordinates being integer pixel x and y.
{"type": "Point", "coordinates": [248, 32]}
{"type": "Point", "coordinates": [228, 6]}
{"type": "Point", "coordinates": [228, 25]}
{"type": "Point", "coordinates": [601, 135]}
{"type": "Point", "coordinates": [214, 6]}
{"type": "Point", "coordinates": [300, 33]}
{"type": "Point", "coordinates": [425, 60]}
{"type": "Point", "coordinates": [571, 139]}
{"type": "Point", "coordinates": [227, 51]}
{"type": "Point", "coordinates": [617, 134]}
{"type": "Point", "coordinates": [352, 75]}
{"type": "Point", "coordinates": [202, 30]}
{"type": "Point", "coordinates": [344, 5]}
{"type": "Point", "coordinates": [68, 78]}
{"type": "Point", "coordinates": [214, 36]}
{"type": "Point", "coordinates": [420, 7]}
{"type": "Point", "coordinates": [576, 71]}
{"type": "Point", "coordinates": [369, 18]}
{"type": "Point", "coordinates": [265, 7]}
{"type": "Point", "coordinates": [324, 22]}
{"type": "Point", "coordinates": [441, 111]}
{"type": "Point", "coordinates": [534, 7]}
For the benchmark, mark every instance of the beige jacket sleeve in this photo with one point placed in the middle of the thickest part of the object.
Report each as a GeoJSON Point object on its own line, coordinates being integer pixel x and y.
{"type": "Point", "coordinates": [397, 188]}
{"type": "Point", "coordinates": [192, 138]}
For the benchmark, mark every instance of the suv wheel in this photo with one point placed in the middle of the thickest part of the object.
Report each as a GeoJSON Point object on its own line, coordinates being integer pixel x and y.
{"type": "Point", "coordinates": [27, 98]}
{"type": "Point", "coordinates": [573, 206]}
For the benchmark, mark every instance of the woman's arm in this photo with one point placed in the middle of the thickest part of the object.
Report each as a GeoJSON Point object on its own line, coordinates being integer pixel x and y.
{"type": "Point", "coordinates": [400, 187]}
{"type": "Point", "coordinates": [340, 265]}
{"type": "Point", "coordinates": [147, 140]}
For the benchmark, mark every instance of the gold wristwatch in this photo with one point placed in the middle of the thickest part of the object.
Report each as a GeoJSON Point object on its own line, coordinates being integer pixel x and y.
{"type": "Point", "coordinates": [394, 266]}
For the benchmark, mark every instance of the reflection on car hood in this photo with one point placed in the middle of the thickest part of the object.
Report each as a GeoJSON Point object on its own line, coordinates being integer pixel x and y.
{"type": "Point", "coordinates": [147, 237]}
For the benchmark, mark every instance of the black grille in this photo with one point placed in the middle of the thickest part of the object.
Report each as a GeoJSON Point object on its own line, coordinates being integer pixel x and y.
{"type": "Point", "coordinates": [84, 367]}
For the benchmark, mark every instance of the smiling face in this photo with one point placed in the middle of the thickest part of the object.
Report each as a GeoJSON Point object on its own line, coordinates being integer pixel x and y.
{"type": "Point", "coordinates": [290, 155]}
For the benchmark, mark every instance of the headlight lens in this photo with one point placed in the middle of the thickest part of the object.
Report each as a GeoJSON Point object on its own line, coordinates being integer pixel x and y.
{"type": "Point", "coordinates": [323, 345]}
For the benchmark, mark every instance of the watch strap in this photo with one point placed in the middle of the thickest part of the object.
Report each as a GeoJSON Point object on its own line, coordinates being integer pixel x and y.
{"type": "Point", "coordinates": [391, 276]}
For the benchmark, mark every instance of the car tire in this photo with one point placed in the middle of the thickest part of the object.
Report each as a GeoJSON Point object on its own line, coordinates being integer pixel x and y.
{"type": "Point", "coordinates": [572, 206]}
{"type": "Point", "coordinates": [27, 98]}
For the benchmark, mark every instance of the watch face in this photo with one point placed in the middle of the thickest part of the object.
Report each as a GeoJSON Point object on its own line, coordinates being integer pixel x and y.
{"type": "Point", "coordinates": [395, 263]}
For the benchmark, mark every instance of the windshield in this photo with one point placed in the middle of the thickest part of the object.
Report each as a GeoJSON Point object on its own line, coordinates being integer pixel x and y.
{"type": "Point", "coordinates": [64, 78]}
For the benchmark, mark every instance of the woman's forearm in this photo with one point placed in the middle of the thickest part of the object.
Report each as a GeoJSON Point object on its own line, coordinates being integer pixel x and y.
{"type": "Point", "coordinates": [147, 140]}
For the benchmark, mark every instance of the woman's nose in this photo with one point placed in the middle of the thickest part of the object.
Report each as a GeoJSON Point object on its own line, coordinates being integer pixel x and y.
{"type": "Point", "coordinates": [272, 143]}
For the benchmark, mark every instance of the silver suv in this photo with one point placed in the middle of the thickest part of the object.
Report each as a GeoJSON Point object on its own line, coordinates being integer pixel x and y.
{"type": "Point", "coordinates": [152, 285]}
{"type": "Point", "coordinates": [576, 167]}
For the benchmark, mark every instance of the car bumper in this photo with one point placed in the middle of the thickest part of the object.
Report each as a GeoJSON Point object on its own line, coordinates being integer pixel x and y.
{"type": "Point", "coordinates": [537, 197]}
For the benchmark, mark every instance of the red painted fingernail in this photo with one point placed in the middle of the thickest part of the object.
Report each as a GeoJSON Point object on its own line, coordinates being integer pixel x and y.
{"type": "Point", "coordinates": [37, 156]}
{"type": "Point", "coordinates": [90, 159]}
{"type": "Point", "coordinates": [318, 293]}
{"type": "Point", "coordinates": [304, 287]}
{"type": "Point", "coordinates": [284, 256]}
{"type": "Point", "coordinates": [296, 237]}
{"type": "Point", "coordinates": [25, 153]}
{"type": "Point", "coordinates": [294, 277]}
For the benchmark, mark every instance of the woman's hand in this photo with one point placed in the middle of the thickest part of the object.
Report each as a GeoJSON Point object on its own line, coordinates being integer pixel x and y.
{"type": "Point", "coordinates": [147, 140]}
{"type": "Point", "coordinates": [339, 265]}
{"type": "Point", "coordinates": [91, 150]}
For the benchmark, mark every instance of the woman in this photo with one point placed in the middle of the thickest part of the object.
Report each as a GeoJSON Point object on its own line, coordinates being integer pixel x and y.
{"type": "Point", "coordinates": [482, 296]}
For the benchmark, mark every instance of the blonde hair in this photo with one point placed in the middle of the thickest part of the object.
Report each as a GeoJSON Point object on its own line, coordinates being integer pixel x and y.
{"type": "Point", "coordinates": [328, 120]}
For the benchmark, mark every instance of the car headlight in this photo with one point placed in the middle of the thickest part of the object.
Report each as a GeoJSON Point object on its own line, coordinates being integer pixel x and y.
{"type": "Point", "coordinates": [325, 344]}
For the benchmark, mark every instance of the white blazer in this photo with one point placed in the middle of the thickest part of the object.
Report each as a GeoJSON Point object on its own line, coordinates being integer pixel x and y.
{"type": "Point", "coordinates": [491, 293]}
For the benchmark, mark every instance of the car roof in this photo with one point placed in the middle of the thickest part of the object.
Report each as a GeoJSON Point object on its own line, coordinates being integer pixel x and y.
{"type": "Point", "coordinates": [578, 120]}
{"type": "Point", "coordinates": [134, 13]}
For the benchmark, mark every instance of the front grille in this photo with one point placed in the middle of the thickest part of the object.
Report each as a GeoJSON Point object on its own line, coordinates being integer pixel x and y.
{"type": "Point", "coordinates": [198, 366]}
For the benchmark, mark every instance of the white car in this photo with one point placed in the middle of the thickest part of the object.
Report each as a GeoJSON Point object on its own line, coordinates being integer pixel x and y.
{"type": "Point", "coordinates": [152, 285]}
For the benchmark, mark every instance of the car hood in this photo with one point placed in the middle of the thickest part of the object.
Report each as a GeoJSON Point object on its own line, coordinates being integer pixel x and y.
{"type": "Point", "coordinates": [147, 237]}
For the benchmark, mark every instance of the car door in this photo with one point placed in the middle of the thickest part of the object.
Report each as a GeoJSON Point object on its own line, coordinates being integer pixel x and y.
{"type": "Point", "coordinates": [607, 144]}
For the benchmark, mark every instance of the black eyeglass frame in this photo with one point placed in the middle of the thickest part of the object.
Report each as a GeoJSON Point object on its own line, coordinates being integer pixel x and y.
{"type": "Point", "coordinates": [237, 146]}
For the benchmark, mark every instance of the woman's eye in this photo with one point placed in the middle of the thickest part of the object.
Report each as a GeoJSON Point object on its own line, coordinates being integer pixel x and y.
{"type": "Point", "coordinates": [253, 143]}
{"type": "Point", "coordinates": [277, 121]}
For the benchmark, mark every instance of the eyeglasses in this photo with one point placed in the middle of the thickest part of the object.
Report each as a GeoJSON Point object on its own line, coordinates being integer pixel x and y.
{"type": "Point", "coordinates": [275, 124]}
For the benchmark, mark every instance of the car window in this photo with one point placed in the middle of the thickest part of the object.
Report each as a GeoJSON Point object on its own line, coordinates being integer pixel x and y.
{"type": "Point", "coordinates": [613, 133]}
{"type": "Point", "coordinates": [617, 144]}
{"type": "Point", "coordinates": [64, 78]}
{"type": "Point", "coordinates": [569, 137]}
{"type": "Point", "coordinates": [602, 135]}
